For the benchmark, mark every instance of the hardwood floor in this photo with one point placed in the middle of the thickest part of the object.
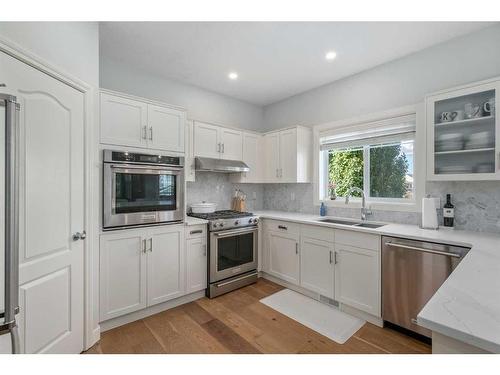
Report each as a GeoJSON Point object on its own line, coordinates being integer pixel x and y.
{"type": "Point", "coordinates": [238, 323]}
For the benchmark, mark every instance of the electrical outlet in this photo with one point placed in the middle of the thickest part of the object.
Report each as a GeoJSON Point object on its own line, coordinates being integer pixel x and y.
{"type": "Point", "coordinates": [292, 196]}
{"type": "Point", "coordinates": [254, 195]}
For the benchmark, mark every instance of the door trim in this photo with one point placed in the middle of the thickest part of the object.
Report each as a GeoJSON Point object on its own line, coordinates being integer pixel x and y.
{"type": "Point", "coordinates": [91, 331]}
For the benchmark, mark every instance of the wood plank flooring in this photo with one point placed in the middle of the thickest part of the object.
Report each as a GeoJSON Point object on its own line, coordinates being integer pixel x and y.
{"type": "Point", "coordinates": [238, 323]}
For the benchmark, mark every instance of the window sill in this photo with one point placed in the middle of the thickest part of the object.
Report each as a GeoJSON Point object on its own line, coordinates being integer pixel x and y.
{"type": "Point", "coordinates": [374, 205]}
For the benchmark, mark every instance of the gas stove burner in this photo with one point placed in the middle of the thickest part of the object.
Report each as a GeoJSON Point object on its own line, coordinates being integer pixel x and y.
{"type": "Point", "coordinates": [223, 214]}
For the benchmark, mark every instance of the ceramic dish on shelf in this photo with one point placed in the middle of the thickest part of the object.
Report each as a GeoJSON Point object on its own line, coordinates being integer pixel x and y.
{"type": "Point", "coordinates": [449, 146]}
{"type": "Point", "coordinates": [454, 169]}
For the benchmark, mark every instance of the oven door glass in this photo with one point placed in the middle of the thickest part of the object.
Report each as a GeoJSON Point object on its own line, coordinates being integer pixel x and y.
{"type": "Point", "coordinates": [235, 253]}
{"type": "Point", "coordinates": [142, 192]}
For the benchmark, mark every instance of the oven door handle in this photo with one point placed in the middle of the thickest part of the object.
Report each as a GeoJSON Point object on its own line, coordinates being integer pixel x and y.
{"type": "Point", "coordinates": [146, 168]}
{"type": "Point", "coordinates": [230, 233]}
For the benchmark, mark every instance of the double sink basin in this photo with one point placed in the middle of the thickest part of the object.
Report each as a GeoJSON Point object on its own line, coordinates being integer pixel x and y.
{"type": "Point", "coordinates": [361, 224]}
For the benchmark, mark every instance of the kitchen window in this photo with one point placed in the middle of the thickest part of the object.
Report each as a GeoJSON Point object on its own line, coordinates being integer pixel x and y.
{"type": "Point", "coordinates": [377, 157]}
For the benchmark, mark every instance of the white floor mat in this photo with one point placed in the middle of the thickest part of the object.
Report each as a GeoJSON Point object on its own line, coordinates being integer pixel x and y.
{"type": "Point", "coordinates": [328, 321]}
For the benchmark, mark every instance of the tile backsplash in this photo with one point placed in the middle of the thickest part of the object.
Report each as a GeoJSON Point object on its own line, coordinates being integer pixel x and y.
{"type": "Point", "coordinates": [477, 204]}
{"type": "Point", "coordinates": [217, 188]}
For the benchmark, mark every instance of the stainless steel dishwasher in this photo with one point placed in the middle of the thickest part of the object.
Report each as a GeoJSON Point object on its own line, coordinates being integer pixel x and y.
{"type": "Point", "coordinates": [412, 271]}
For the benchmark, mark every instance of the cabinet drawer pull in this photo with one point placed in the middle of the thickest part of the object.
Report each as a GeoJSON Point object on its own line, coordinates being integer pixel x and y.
{"type": "Point", "coordinates": [196, 231]}
{"type": "Point", "coordinates": [282, 227]}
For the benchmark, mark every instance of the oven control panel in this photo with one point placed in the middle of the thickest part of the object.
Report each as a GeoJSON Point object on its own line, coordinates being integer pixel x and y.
{"type": "Point", "coordinates": [223, 224]}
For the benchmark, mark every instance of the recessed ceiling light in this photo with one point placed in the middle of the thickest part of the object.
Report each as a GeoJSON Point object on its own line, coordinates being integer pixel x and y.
{"type": "Point", "coordinates": [331, 55]}
{"type": "Point", "coordinates": [233, 76]}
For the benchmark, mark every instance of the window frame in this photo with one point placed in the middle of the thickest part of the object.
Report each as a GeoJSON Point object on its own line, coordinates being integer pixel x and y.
{"type": "Point", "coordinates": [366, 122]}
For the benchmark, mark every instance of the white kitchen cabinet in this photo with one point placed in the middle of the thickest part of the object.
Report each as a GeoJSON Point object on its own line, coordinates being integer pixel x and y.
{"type": "Point", "coordinates": [123, 121]}
{"type": "Point", "coordinates": [165, 264]}
{"type": "Point", "coordinates": [317, 266]}
{"type": "Point", "coordinates": [140, 268]}
{"type": "Point", "coordinates": [166, 128]}
{"type": "Point", "coordinates": [357, 278]}
{"type": "Point", "coordinates": [206, 140]}
{"type": "Point", "coordinates": [231, 144]}
{"type": "Point", "coordinates": [288, 155]}
{"type": "Point", "coordinates": [137, 122]}
{"type": "Point", "coordinates": [122, 273]}
{"type": "Point", "coordinates": [189, 167]}
{"type": "Point", "coordinates": [284, 257]}
{"type": "Point", "coordinates": [253, 157]}
{"type": "Point", "coordinates": [217, 142]}
{"type": "Point", "coordinates": [463, 133]}
{"type": "Point", "coordinates": [196, 261]}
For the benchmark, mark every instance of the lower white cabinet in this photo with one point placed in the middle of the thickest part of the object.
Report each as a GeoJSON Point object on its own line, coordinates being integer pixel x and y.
{"type": "Point", "coordinates": [196, 264]}
{"type": "Point", "coordinates": [357, 278]}
{"type": "Point", "coordinates": [284, 259]}
{"type": "Point", "coordinates": [165, 264]}
{"type": "Point", "coordinates": [317, 266]}
{"type": "Point", "coordinates": [140, 268]}
{"type": "Point", "coordinates": [343, 265]}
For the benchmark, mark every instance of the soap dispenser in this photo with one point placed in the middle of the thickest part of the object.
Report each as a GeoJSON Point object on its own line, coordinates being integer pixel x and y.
{"type": "Point", "coordinates": [322, 209]}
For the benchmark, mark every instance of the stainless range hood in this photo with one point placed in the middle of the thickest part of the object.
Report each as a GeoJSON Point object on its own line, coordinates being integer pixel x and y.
{"type": "Point", "coordinates": [220, 165]}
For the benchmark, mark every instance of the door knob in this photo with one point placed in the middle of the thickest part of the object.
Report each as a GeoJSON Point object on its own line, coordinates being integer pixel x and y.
{"type": "Point", "coordinates": [79, 236]}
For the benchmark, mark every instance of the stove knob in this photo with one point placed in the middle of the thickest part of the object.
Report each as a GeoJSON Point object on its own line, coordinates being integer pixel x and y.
{"type": "Point", "coordinates": [236, 222]}
{"type": "Point", "coordinates": [214, 225]}
{"type": "Point", "coordinates": [255, 221]}
{"type": "Point", "coordinates": [221, 224]}
{"type": "Point", "coordinates": [250, 221]}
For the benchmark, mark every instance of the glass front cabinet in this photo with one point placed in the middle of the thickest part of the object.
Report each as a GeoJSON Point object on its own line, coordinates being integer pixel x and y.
{"type": "Point", "coordinates": [463, 133]}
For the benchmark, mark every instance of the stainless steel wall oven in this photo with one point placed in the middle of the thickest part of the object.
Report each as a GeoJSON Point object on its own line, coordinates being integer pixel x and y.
{"type": "Point", "coordinates": [141, 189]}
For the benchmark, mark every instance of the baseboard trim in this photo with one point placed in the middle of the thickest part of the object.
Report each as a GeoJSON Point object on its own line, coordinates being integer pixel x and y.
{"type": "Point", "coordinates": [144, 313]}
{"type": "Point", "coordinates": [342, 307]}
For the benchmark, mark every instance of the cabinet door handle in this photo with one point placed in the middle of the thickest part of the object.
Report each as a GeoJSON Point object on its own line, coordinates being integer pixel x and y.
{"type": "Point", "coordinates": [276, 172]}
{"type": "Point", "coordinates": [151, 244]}
{"type": "Point", "coordinates": [144, 132]}
{"type": "Point", "coordinates": [296, 248]}
{"type": "Point", "coordinates": [218, 147]}
{"type": "Point", "coordinates": [150, 133]}
{"type": "Point", "coordinates": [204, 250]}
{"type": "Point", "coordinates": [335, 260]}
{"type": "Point", "coordinates": [282, 227]}
{"type": "Point", "coordinates": [144, 250]}
{"type": "Point", "coordinates": [331, 256]}
{"type": "Point", "coordinates": [281, 172]}
{"type": "Point", "coordinates": [223, 148]}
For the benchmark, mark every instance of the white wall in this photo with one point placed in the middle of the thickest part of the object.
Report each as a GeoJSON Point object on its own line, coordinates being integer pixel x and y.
{"type": "Point", "coordinates": [73, 47]}
{"type": "Point", "coordinates": [402, 82]}
{"type": "Point", "coordinates": [201, 104]}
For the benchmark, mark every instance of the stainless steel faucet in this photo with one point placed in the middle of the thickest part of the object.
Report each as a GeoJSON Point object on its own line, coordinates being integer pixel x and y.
{"type": "Point", "coordinates": [364, 210]}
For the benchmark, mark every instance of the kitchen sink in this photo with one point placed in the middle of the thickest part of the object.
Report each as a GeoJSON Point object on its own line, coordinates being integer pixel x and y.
{"type": "Point", "coordinates": [369, 225]}
{"type": "Point", "coordinates": [352, 223]}
{"type": "Point", "coordinates": [336, 221]}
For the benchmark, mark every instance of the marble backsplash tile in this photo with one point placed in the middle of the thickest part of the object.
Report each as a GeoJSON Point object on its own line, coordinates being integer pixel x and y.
{"type": "Point", "coordinates": [217, 188]}
{"type": "Point", "coordinates": [477, 203]}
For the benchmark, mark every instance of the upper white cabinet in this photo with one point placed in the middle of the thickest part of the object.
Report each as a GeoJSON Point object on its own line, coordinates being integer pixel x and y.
{"type": "Point", "coordinates": [123, 121]}
{"type": "Point", "coordinates": [463, 133]}
{"type": "Point", "coordinates": [135, 122]}
{"type": "Point", "coordinates": [288, 155]}
{"type": "Point", "coordinates": [253, 156]}
{"type": "Point", "coordinates": [214, 141]}
{"type": "Point", "coordinates": [166, 128]}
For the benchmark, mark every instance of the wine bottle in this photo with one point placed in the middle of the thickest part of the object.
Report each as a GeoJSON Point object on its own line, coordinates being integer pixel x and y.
{"type": "Point", "coordinates": [448, 212]}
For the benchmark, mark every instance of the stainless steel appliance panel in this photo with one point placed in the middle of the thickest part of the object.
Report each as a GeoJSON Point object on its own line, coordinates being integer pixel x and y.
{"type": "Point", "coordinates": [233, 252]}
{"type": "Point", "coordinates": [149, 208]}
{"type": "Point", "coordinates": [412, 271]}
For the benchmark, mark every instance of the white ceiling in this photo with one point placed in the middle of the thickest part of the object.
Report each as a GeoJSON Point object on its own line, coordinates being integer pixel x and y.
{"type": "Point", "coordinates": [274, 60]}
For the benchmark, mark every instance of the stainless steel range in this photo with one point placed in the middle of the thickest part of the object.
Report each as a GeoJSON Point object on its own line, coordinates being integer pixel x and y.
{"type": "Point", "coordinates": [233, 250]}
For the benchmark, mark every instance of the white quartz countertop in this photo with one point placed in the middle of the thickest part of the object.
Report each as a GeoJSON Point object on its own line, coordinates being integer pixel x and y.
{"type": "Point", "coordinates": [189, 220]}
{"type": "Point", "coordinates": [467, 306]}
